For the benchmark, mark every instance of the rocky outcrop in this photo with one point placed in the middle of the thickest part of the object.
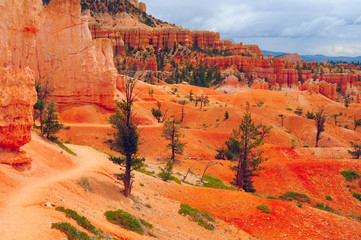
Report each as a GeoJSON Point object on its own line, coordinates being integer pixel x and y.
{"type": "Point", "coordinates": [19, 21]}
{"type": "Point", "coordinates": [293, 57]}
{"type": "Point", "coordinates": [344, 81]}
{"type": "Point", "coordinates": [324, 88]}
{"type": "Point", "coordinates": [232, 85]}
{"type": "Point", "coordinates": [288, 78]}
{"type": "Point", "coordinates": [135, 38]}
{"type": "Point", "coordinates": [80, 70]}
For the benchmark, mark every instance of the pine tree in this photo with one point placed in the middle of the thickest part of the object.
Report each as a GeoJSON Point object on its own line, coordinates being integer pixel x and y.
{"type": "Point", "coordinates": [357, 150]}
{"type": "Point", "coordinates": [126, 137]}
{"type": "Point", "coordinates": [43, 91]}
{"type": "Point", "coordinates": [357, 123]}
{"type": "Point", "coordinates": [166, 172]}
{"type": "Point", "coordinates": [157, 114]}
{"type": "Point", "coordinates": [171, 132]}
{"type": "Point", "coordinates": [243, 144]}
{"type": "Point", "coordinates": [226, 115]}
{"type": "Point", "coordinates": [320, 119]}
{"type": "Point", "coordinates": [50, 122]}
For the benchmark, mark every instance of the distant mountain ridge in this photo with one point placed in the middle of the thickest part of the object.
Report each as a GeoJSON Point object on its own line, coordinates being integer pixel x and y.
{"type": "Point", "coordinates": [316, 58]}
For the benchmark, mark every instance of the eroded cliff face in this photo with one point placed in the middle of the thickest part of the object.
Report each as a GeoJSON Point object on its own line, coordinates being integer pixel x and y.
{"type": "Point", "coordinates": [80, 70]}
{"type": "Point", "coordinates": [19, 21]}
{"type": "Point", "coordinates": [136, 38]}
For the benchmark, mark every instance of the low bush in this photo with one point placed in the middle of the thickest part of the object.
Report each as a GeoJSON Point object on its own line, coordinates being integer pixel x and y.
{"type": "Point", "coordinates": [201, 217]}
{"type": "Point", "coordinates": [81, 220]}
{"type": "Point", "coordinates": [264, 208]}
{"type": "Point", "coordinates": [290, 196]}
{"type": "Point", "coordinates": [357, 195]}
{"type": "Point", "coordinates": [322, 206]}
{"type": "Point", "coordinates": [350, 175]}
{"type": "Point", "coordinates": [127, 221]}
{"type": "Point", "coordinates": [328, 198]}
{"type": "Point", "coordinates": [70, 231]}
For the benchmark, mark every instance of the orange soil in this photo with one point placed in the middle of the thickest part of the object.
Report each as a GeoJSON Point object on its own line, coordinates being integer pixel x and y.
{"type": "Point", "coordinates": [292, 165]}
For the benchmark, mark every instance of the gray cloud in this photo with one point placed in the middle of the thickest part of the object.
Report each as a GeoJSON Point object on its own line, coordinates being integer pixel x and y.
{"type": "Point", "coordinates": [303, 26]}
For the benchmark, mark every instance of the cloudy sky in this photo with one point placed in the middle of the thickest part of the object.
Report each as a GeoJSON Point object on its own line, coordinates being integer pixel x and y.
{"type": "Point", "coordinates": [329, 27]}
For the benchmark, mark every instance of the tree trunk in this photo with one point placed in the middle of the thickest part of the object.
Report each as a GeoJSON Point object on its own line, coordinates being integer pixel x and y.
{"type": "Point", "coordinates": [127, 179]}
{"type": "Point", "coordinates": [317, 138]}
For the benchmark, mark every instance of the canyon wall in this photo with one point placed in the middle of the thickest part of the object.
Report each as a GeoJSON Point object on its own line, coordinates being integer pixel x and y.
{"type": "Point", "coordinates": [19, 21]}
{"type": "Point", "coordinates": [79, 69]}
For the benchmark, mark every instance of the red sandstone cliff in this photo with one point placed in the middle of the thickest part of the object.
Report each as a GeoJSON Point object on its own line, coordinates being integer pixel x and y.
{"type": "Point", "coordinates": [135, 38]}
{"type": "Point", "coordinates": [80, 70]}
{"type": "Point", "coordinates": [19, 21]}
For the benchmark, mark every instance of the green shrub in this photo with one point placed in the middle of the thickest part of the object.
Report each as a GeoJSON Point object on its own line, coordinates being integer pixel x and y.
{"type": "Point", "coordinates": [166, 173]}
{"type": "Point", "coordinates": [310, 115]}
{"type": "Point", "coordinates": [70, 231]}
{"type": "Point", "coordinates": [201, 217]}
{"type": "Point", "coordinates": [289, 109]}
{"type": "Point", "coordinates": [357, 195]}
{"type": "Point", "coordinates": [328, 198]}
{"type": "Point", "coordinates": [290, 196]}
{"type": "Point", "coordinates": [127, 221]}
{"type": "Point", "coordinates": [213, 182]}
{"type": "Point", "coordinates": [298, 111]}
{"type": "Point", "coordinates": [264, 208]}
{"type": "Point", "coordinates": [350, 175]}
{"type": "Point", "coordinates": [174, 179]}
{"type": "Point", "coordinates": [323, 207]}
{"type": "Point", "coordinates": [145, 171]}
{"type": "Point", "coordinates": [81, 220]}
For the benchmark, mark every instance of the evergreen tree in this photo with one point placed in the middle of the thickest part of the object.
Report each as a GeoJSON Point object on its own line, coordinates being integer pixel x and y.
{"type": "Point", "coordinates": [282, 116]}
{"type": "Point", "coordinates": [226, 115]}
{"type": "Point", "coordinates": [157, 114]}
{"type": "Point", "coordinates": [43, 92]}
{"type": "Point", "coordinates": [357, 123]}
{"type": "Point", "coordinates": [126, 137]}
{"type": "Point", "coordinates": [320, 119]}
{"type": "Point", "coordinates": [50, 122]}
{"type": "Point", "coordinates": [357, 150]}
{"type": "Point", "coordinates": [242, 145]}
{"type": "Point", "coordinates": [166, 172]}
{"type": "Point", "coordinates": [171, 132]}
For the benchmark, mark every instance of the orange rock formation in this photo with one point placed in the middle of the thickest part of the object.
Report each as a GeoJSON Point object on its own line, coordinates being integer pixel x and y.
{"type": "Point", "coordinates": [80, 70]}
{"type": "Point", "coordinates": [19, 21]}
{"type": "Point", "coordinates": [135, 38]}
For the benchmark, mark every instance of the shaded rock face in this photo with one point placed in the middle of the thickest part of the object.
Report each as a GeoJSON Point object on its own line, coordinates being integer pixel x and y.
{"type": "Point", "coordinates": [19, 21]}
{"type": "Point", "coordinates": [80, 70]}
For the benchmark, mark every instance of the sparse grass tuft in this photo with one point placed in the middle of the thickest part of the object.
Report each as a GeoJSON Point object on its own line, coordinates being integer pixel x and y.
{"type": "Point", "coordinates": [290, 196]}
{"type": "Point", "coordinates": [350, 175]}
{"type": "Point", "coordinates": [68, 150]}
{"type": "Point", "coordinates": [264, 208]}
{"type": "Point", "coordinates": [323, 207]}
{"type": "Point", "coordinates": [201, 217]}
{"type": "Point", "coordinates": [213, 182]}
{"type": "Point", "coordinates": [84, 182]}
